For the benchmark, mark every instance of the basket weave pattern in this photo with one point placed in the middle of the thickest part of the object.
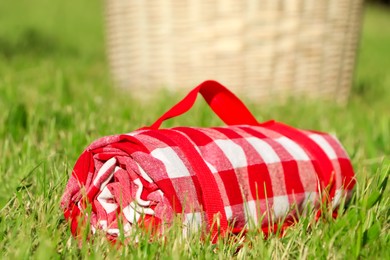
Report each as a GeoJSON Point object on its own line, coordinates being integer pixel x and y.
{"type": "Point", "coordinates": [261, 49]}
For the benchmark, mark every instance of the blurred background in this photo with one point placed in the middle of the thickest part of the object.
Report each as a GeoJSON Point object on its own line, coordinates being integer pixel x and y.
{"type": "Point", "coordinates": [259, 49]}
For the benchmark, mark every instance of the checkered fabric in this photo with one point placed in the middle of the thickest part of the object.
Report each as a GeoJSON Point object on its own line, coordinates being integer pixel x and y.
{"type": "Point", "coordinates": [243, 175]}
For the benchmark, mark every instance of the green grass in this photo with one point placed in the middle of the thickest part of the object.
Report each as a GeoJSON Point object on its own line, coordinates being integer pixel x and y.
{"type": "Point", "coordinates": [56, 97]}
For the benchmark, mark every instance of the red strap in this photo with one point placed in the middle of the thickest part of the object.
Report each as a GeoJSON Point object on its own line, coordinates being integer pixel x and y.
{"type": "Point", "coordinates": [223, 102]}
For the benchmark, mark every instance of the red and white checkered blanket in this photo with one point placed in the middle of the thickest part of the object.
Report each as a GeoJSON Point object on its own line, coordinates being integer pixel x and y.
{"type": "Point", "coordinates": [243, 175]}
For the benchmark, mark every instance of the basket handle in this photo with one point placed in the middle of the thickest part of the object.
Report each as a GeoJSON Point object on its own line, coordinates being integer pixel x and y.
{"type": "Point", "coordinates": [229, 108]}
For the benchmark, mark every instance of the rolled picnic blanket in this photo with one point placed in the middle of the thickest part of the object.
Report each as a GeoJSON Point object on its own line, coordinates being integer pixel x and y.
{"type": "Point", "coordinates": [226, 179]}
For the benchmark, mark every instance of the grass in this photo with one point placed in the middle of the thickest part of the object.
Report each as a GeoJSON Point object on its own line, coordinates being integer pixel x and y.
{"type": "Point", "coordinates": [57, 97]}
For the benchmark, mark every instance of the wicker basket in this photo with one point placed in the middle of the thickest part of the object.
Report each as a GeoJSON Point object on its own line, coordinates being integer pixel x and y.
{"type": "Point", "coordinates": [258, 48]}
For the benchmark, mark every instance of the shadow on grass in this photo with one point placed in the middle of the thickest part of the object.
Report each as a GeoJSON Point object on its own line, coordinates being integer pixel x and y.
{"type": "Point", "coordinates": [32, 42]}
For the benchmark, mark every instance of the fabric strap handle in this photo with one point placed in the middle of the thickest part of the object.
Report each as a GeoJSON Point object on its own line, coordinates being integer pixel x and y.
{"type": "Point", "coordinates": [229, 108]}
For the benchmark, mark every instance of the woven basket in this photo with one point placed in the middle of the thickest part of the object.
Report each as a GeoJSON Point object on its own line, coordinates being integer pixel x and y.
{"type": "Point", "coordinates": [259, 48]}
